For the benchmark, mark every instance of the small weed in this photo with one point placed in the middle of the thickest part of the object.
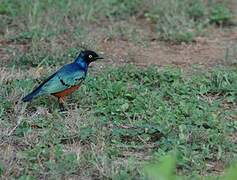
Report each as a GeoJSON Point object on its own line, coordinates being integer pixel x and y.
{"type": "Point", "coordinates": [51, 160]}
{"type": "Point", "coordinates": [165, 169]}
{"type": "Point", "coordinates": [1, 168]}
{"type": "Point", "coordinates": [220, 14]}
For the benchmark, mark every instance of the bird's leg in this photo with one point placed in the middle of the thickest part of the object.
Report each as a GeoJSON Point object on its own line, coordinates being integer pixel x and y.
{"type": "Point", "coordinates": [61, 103]}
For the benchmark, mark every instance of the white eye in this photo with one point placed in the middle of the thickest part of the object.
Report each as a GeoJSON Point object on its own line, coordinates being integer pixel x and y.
{"type": "Point", "coordinates": [90, 56]}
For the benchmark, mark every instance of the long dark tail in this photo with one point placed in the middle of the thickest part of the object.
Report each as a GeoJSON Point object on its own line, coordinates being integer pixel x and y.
{"type": "Point", "coordinates": [30, 96]}
{"type": "Point", "coordinates": [36, 92]}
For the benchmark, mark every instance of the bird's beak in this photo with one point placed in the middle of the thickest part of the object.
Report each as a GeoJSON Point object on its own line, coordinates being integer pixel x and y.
{"type": "Point", "coordinates": [99, 57]}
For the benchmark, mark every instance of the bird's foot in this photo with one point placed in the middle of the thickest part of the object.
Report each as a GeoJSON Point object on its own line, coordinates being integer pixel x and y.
{"type": "Point", "coordinates": [62, 108]}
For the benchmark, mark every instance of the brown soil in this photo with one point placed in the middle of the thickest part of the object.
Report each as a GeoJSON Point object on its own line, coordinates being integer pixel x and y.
{"type": "Point", "coordinates": [208, 52]}
{"type": "Point", "coordinates": [205, 51]}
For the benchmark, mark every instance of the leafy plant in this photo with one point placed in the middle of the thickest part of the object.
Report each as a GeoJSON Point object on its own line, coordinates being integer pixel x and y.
{"type": "Point", "coordinates": [164, 170]}
{"type": "Point", "coordinates": [52, 160]}
{"type": "Point", "coordinates": [220, 14]}
{"type": "Point", "coordinates": [1, 168]}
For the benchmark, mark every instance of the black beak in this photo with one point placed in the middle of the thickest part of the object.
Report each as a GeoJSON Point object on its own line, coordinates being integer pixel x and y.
{"type": "Point", "coordinates": [99, 57]}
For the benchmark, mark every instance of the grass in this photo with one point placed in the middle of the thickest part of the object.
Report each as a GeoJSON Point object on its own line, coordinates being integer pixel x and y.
{"type": "Point", "coordinates": [183, 20]}
{"type": "Point", "coordinates": [176, 20]}
{"type": "Point", "coordinates": [124, 116]}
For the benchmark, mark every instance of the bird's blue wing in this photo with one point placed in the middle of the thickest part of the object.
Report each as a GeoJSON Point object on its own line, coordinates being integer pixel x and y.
{"type": "Point", "coordinates": [63, 79]}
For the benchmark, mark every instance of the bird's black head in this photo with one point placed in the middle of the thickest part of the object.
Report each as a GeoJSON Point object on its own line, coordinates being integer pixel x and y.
{"type": "Point", "coordinates": [89, 56]}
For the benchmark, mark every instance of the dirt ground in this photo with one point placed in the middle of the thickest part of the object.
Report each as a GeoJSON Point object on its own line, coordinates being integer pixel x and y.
{"type": "Point", "coordinates": [217, 47]}
{"type": "Point", "coordinates": [207, 52]}
{"type": "Point", "coordinates": [214, 49]}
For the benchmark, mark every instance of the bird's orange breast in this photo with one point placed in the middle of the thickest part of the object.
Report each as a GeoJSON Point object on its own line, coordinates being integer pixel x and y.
{"type": "Point", "coordinates": [66, 91]}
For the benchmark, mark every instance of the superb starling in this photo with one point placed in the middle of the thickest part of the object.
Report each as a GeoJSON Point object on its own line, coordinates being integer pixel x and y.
{"type": "Point", "coordinates": [66, 80]}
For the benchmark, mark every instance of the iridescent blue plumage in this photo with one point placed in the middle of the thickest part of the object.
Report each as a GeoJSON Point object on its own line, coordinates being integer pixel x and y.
{"type": "Point", "coordinates": [69, 76]}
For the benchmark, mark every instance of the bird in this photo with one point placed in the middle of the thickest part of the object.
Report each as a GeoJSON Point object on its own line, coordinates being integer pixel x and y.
{"type": "Point", "coordinates": [66, 80]}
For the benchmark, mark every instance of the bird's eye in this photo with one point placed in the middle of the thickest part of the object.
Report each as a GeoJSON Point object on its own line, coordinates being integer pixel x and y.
{"type": "Point", "coordinates": [90, 56]}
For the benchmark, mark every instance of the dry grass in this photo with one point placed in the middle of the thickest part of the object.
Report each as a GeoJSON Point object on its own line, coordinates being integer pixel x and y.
{"type": "Point", "coordinates": [123, 116]}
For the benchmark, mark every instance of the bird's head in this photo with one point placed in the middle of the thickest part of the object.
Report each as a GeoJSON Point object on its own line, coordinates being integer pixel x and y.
{"type": "Point", "coordinates": [89, 56]}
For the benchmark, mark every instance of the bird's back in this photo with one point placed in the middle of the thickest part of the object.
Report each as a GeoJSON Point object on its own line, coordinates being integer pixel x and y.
{"type": "Point", "coordinates": [66, 77]}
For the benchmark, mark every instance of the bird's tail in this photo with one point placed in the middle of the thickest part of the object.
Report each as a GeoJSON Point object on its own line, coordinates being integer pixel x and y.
{"type": "Point", "coordinates": [32, 95]}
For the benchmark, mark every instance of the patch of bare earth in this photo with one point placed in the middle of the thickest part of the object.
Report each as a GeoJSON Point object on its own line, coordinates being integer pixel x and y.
{"type": "Point", "coordinates": [208, 52]}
